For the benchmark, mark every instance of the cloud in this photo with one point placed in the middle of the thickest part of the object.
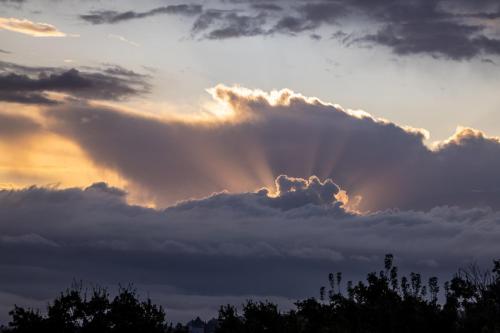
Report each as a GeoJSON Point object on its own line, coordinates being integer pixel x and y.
{"type": "Point", "coordinates": [30, 85]}
{"type": "Point", "coordinates": [291, 194]}
{"type": "Point", "coordinates": [265, 135]}
{"type": "Point", "coordinates": [14, 126]}
{"type": "Point", "coordinates": [310, 16]}
{"type": "Point", "coordinates": [267, 6]}
{"type": "Point", "coordinates": [112, 17]}
{"type": "Point", "coordinates": [234, 24]}
{"type": "Point", "coordinates": [265, 19]}
{"type": "Point", "coordinates": [123, 39]}
{"type": "Point", "coordinates": [456, 30]}
{"type": "Point", "coordinates": [223, 246]}
{"type": "Point", "coordinates": [12, 3]}
{"type": "Point", "coordinates": [436, 29]}
{"type": "Point", "coordinates": [27, 27]}
{"type": "Point", "coordinates": [30, 154]}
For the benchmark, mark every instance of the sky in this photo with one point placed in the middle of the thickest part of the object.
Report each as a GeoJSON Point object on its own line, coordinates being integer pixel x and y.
{"type": "Point", "coordinates": [212, 151]}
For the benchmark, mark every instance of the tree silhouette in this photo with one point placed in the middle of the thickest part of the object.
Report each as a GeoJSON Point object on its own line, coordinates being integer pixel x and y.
{"type": "Point", "coordinates": [73, 311]}
{"type": "Point", "coordinates": [384, 302]}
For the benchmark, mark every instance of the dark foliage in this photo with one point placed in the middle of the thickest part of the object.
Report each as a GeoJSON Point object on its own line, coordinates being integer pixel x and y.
{"type": "Point", "coordinates": [75, 311]}
{"type": "Point", "coordinates": [384, 302]}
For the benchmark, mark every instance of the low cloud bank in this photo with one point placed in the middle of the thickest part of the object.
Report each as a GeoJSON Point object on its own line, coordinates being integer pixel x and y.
{"type": "Point", "coordinates": [223, 246]}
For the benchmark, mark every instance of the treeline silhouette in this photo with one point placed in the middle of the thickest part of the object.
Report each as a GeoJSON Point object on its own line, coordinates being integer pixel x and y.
{"type": "Point", "coordinates": [385, 302]}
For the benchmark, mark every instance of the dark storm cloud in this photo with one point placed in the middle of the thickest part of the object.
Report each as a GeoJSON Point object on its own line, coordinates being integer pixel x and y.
{"type": "Point", "coordinates": [310, 16]}
{"type": "Point", "coordinates": [111, 17]}
{"type": "Point", "coordinates": [441, 28]}
{"type": "Point", "coordinates": [12, 1]}
{"type": "Point", "coordinates": [436, 38]}
{"type": "Point", "coordinates": [490, 16]}
{"type": "Point", "coordinates": [23, 97]}
{"type": "Point", "coordinates": [455, 30]}
{"type": "Point", "coordinates": [29, 85]}
{"type": "Point", "coordinates": [259, 18]}
{"type": "Point", "coordinates": [222, 248]}
{"type": "Point", "coordinates": [434, 28]}
{"type": "Point", "coordinates": [267, 6]}
{"type": "Point", "coordinates": [386, 164]}
{"type": "Point", "coordinates": [234, 24]}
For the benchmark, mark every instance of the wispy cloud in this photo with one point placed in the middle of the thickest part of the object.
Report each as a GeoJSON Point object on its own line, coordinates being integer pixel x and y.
{"type": "Point", "coordinates": [123, 39]}
{"type": "Point", "coordinates": [28, 27]}
{"type": "Point", "coordinates": [112, 17]}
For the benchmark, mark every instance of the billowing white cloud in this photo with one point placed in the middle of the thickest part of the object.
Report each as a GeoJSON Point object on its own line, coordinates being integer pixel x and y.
{"type": "Point", "coordinates": [262, 135]}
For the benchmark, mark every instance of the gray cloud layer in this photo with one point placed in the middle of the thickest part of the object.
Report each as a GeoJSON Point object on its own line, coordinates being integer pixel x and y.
{"type": "Point", "coordinates": [223, 247]}
{"type": "Point", "coordinates": [388, 165]}
{"type": "Point", "coordinates": [451, 29]}
{"type": "Point", "coordinates": [28, 85]}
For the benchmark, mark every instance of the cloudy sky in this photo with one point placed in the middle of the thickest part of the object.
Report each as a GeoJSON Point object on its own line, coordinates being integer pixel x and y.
{"type": "Point", "coordinates": [212, 151]}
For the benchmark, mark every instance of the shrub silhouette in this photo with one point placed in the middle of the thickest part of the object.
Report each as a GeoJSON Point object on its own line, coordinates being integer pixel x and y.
{"type": "Point", "coordinates": [385, 302]}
